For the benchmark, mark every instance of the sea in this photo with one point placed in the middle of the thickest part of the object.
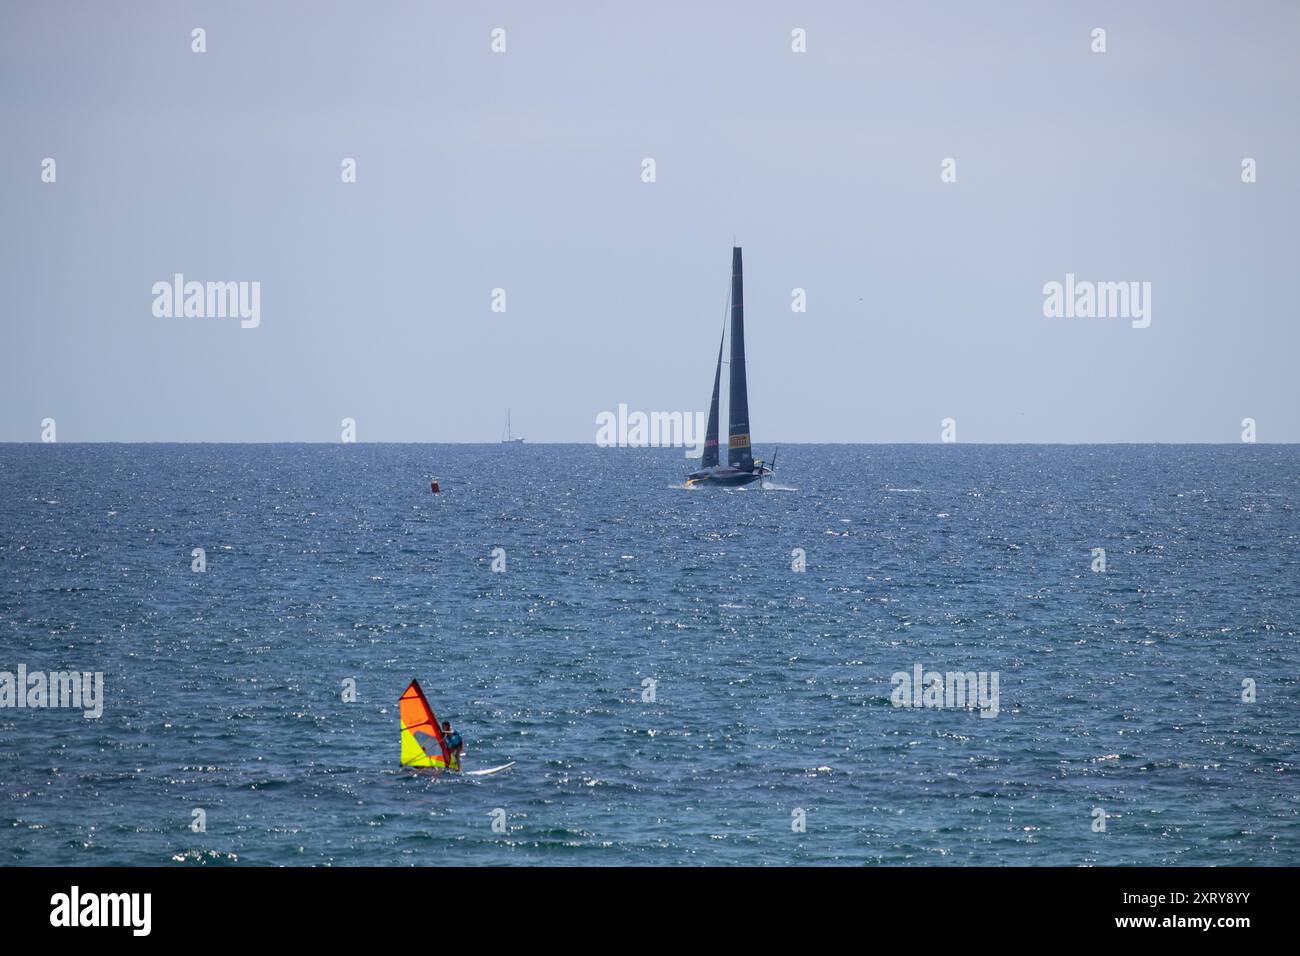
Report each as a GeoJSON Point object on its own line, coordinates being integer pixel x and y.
{"type": "Point", "coordinates": [681, 676]}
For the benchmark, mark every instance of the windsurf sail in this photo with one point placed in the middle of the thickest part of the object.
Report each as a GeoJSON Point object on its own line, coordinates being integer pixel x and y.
{"type": "Point", "coordinates": [418, 718]}
{"type": "Point", "coordinates": [739, 453]}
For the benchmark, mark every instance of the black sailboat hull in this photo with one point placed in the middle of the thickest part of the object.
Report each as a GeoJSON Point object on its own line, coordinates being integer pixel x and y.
{"type": "Point", "coordinates": [725, 477]}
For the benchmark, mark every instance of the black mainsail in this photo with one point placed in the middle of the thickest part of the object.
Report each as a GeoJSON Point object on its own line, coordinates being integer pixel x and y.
{"type": "Point", "coordinates": [739, 453]}
{"type": "Point", "coordinates": [741, 468]}
{"type": "Point", "coordinates": [710, 457]}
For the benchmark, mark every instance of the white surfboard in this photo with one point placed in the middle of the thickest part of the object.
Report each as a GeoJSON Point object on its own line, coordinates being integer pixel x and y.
{"type": "Point", "coordinates": [489, 771]}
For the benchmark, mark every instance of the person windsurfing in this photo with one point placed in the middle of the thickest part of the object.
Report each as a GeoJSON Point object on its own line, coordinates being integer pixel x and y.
{"type": "Point", "coordinates": [454, 743]}
{"type": "Point", "coordinates": [417, 717]}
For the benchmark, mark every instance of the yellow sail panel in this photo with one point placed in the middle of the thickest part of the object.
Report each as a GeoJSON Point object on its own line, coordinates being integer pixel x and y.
{"type": "Point", "coordinates": [413, 754]}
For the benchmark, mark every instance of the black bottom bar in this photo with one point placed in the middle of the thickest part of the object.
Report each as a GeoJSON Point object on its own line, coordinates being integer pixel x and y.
{"type": "Point", "coordinates": [881, 904]}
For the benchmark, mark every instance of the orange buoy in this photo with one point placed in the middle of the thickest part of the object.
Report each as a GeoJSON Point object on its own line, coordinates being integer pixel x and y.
{"type": "Point", "coordinates": [433, 486]}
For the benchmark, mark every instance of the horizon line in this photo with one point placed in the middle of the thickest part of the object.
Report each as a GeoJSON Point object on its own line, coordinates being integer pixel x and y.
{"type": "Point", "coordinates": [112, 441]}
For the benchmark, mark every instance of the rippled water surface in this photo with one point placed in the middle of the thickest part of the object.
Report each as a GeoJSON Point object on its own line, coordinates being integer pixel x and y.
{"type": "Point", "coordinates": [1119, 690]}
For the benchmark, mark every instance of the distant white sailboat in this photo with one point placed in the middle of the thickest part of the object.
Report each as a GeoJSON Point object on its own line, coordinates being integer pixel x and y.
{"type": "Point", "coordinates": [510, 439]}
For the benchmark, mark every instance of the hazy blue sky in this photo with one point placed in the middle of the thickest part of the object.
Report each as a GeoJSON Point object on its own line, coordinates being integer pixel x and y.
{"type": "Point", "coordinates": [522, 170]}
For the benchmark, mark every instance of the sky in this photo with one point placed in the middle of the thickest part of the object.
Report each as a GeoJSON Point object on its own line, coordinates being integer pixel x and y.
{"type": "Point", "coordinates": [522, 170]}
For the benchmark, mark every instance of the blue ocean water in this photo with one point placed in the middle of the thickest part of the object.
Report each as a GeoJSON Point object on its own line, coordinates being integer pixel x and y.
{"type": "Point", "coordinates": [1120, 690]}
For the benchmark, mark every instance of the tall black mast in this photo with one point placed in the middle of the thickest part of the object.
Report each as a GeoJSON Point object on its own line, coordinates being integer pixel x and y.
{"type": "Point", "coordinates": [739, 453]}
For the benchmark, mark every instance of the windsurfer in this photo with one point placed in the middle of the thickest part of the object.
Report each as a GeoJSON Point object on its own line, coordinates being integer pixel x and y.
{"type": "Point", "coordinates": [454, 743]}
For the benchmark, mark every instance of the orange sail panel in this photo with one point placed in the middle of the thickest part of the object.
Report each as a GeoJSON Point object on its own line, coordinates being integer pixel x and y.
{"type": "Point", "coordinates": [418, 718]}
